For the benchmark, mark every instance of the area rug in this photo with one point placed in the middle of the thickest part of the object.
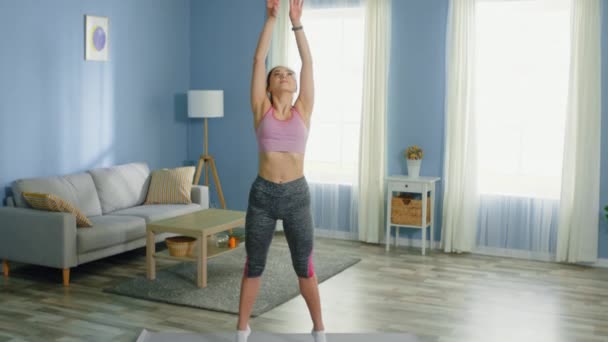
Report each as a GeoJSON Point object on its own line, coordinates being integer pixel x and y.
{"type": "Point", "coordinates": [147, 336]}
{"type": "Point", "coordinates": [177, 284]}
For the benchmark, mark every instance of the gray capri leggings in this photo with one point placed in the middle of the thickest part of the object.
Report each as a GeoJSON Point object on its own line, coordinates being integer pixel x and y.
{"type": "Point", "coordinates": [268, 202]}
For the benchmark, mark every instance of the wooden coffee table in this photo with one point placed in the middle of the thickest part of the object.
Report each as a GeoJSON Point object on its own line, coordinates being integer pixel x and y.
{"type": "Point", "coordinates": [200, 225]}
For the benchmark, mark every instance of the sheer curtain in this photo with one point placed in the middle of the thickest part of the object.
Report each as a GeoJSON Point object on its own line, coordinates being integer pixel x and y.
{"type": "Point", "coordinates": [520, 97]}
{"type": "Point", "coordinates": [335, 31]}
{"type": "Point", "coordinates": [578, 220]}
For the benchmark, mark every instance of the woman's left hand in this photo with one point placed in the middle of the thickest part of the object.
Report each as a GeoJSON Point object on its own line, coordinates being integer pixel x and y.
{"type": "Point", "coordinates": [295, 11]}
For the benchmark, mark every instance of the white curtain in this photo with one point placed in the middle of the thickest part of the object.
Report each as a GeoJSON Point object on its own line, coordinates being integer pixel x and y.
{"type": "Point", "coordinates": [335, 31]}
{"type": "Point", "coordinates": [372, 153]}
{"type": "Point", "coordinates": [460, 200]}
{"type": "Point", "coordinates": [579, 207]}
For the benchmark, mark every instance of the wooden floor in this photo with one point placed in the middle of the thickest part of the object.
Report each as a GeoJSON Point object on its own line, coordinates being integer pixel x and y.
{"type": "Point", "coordinates": [438, 297]}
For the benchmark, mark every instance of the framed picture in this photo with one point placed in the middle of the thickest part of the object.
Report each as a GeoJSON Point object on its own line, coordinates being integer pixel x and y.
{"type": "Point", "coordinates": [97, 38]}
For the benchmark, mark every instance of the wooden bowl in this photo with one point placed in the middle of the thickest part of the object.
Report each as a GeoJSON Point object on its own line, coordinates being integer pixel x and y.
{"type": "Point", "coordinates": [180, 246]}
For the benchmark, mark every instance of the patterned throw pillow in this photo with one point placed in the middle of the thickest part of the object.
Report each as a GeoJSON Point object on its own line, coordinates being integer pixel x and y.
{"type": "Point", "coordinates": [51, 202]}
{"type": "Point", "coordinates": [171, 186]}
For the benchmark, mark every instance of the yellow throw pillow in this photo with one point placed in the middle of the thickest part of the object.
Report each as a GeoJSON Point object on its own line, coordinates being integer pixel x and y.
{"type": "Point", "coordinates": [171, 186]}
{"type": "Point", "coordinates": [51, 202]}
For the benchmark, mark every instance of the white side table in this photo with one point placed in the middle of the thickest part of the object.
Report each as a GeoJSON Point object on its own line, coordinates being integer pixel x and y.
{"type": "Point", "coordinates": [417, 185]}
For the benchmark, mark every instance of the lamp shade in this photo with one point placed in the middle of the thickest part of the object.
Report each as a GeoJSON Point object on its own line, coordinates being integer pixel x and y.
{"type": "Point", "coordinates": [205, 103]}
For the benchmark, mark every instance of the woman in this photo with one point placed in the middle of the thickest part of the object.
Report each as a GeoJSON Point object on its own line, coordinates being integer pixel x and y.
{"type": "Point", "coordinates": [280, 191]}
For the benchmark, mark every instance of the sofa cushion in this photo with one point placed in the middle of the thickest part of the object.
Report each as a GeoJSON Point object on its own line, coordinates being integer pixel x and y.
{"type": "Point", "coordinates": [50, 202]}
{"type": "Point", "coordinates": [155, 212]}
{"type": "Point", "coordinates": [110, 230]}
{"type": "Point", "coordinates": [171, 186]}
{"type": "Point", "coordinates": [121, 186]}
{"type": "Point", "coordinates": [78, 189]}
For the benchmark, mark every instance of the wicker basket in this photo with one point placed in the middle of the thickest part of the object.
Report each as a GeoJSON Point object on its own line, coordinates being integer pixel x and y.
{"type": "Point", "coordinates": [407, 210]}
{"type": "Point", "coordinates": [180, 246]}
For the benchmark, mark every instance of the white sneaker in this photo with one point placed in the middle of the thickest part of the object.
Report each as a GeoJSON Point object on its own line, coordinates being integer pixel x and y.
{"type": "Point", "coordinates": [242, 335]}
{"type": "Point", "coordinates": [318, 335]}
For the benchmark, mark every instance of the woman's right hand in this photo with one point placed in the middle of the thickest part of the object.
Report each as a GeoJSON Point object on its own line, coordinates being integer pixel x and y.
{"type": "Point", "coordinates": [272, 8]}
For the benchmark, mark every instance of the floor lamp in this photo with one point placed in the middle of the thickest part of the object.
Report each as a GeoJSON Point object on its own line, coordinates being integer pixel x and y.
{"type": "Point", "coordinates": [207, 104]}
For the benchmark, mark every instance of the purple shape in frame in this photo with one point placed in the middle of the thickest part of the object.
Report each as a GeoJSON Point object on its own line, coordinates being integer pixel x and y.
{"type": "Point", "coordinates": [99, 38]}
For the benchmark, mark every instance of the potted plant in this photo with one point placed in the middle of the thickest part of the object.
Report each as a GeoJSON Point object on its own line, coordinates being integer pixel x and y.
{"type": "Point", "coordinates": [413, 155]}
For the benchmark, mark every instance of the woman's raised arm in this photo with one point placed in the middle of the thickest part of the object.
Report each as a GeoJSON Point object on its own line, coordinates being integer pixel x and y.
{"type": "Point", "coordinates": [258, 79]}
{"type": "Point", "coordinates": [306, 98]}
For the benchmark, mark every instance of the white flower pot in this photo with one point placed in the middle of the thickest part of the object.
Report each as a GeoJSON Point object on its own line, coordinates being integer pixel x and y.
{"type": "Point", "coordinates": [413, 167]}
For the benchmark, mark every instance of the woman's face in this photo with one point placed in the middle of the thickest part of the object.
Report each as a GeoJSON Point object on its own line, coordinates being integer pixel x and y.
{"type": "Point", "coordinates": [283, 79]}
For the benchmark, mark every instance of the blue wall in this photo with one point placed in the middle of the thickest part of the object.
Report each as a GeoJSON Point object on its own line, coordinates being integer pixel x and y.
{"type": "Point", "coordinates": [222, 55]}
{"type": "Point", "coordinates": [62, 114]}
{"type": "Point", "coordinates": [417, 90]}
{"type": "Point", "coordinates": [222, 58]}
{"type": "Point", "coordinates": [224, 61]}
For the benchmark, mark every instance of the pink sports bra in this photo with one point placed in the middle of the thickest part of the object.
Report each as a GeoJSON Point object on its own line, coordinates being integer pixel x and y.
{"type": "Point", "coordinates": [282, 135]}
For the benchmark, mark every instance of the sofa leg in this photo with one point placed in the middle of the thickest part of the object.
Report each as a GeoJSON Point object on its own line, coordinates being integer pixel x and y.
{"type": "Point", "coordinates": [66, 277]}
{"type": "Point", "coordinates": [5, 268]}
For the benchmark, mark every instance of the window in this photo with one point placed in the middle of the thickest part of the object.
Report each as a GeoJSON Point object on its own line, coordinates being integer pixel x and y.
{"type": "Point", "coordinates": [336, 39]}
{"type": "Point", "coordinates": [521, 91]}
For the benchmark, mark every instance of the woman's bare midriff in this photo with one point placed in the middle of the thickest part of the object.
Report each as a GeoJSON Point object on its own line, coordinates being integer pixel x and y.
{"type": "Point", "coordinates": [281, 167]}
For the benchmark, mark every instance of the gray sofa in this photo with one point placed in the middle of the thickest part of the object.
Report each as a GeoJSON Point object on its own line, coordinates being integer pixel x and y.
{"type": "Point", "coordinates": [112, 198]}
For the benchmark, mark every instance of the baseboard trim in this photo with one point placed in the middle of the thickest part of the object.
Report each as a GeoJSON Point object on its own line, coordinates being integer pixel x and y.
{"type": "Point", "coordinates": [514, 253]}
{"type": "Point", "coordinates": [326, 233]}
{"type": "Point", "coordinates": [333, 234]}
{"type": "Point", "coordinates": [601, 263]}
{"type": "Point", "coordinates": [409, 242]}
{"type": "Point", "coordinates": [517, 254]}
{"type": "Point", "coordinates": [498, 252]}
